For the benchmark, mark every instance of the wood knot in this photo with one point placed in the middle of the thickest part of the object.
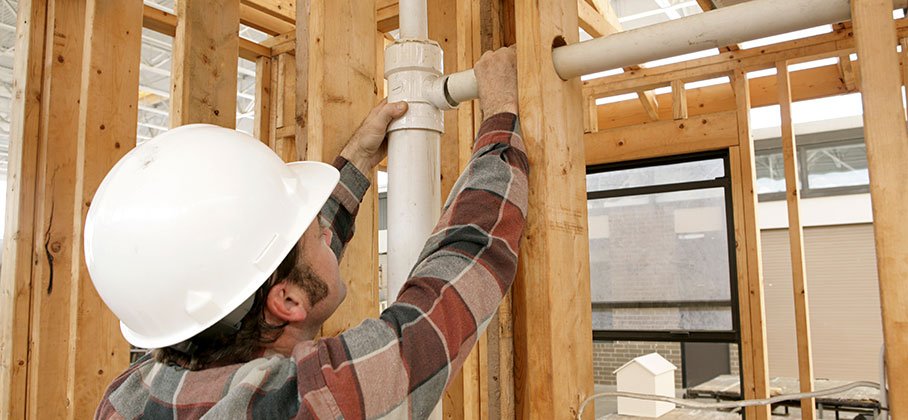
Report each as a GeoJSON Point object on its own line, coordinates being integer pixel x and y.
{"type": "Point", "coordinates": [56, 247]}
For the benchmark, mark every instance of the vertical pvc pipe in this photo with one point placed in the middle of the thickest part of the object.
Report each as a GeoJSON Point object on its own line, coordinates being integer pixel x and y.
{"type": "Point", "coordinates": [414, 20]}
{"type": "Point", "coordinates": [414, 199]}
{"type": "Point", "coordinates": [414, 182]}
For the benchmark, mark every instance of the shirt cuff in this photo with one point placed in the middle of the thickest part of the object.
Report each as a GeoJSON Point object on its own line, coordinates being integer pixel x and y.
{"type": "Point", "coordinates": [351, 178]}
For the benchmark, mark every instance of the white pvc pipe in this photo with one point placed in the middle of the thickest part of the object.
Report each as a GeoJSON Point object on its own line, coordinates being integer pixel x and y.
{"type": "Point", "coordinates": [414, 20]}
{"type": "Point", "coordinates": [414, 199]}
{"type": "Point", "coordinates": [717, 28]}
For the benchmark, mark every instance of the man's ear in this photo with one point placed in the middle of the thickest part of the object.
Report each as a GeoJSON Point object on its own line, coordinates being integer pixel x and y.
{"type": "Point", "coordinates": [287, 302]}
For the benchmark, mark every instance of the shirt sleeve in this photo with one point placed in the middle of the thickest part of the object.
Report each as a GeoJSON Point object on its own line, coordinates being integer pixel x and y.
{"type": "Point", "coordinates": [401, 363]}
{"type": "Point", "coordinates": [339, 212]}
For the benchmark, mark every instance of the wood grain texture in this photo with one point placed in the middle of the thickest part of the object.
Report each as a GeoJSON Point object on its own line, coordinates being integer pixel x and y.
{"type": "Point", "coordinates": [107, 130]}
{"type": "Point", "coordinates": [552, 363]}
{"type": "Point", "coordinates": [796, 243]}
{"type": "Point", "coordinates": [679, 100]}
{"type": "Point", "coordinates": [340, 87]}
{"type": "Point", "coordinates": [887, 151]}
{"type": "Point", "coordinates": [204, 71]}
{"type": "Point", "coordinates": [263, 72]}
{"type": "Point", "coordinates": [753, 332]}
{"type": "Point", "coordinates": [663, 138]}
{"type": "Point", "coordinates": [18, 241]}
{"type": "Point", "coordinates": [166, 23]}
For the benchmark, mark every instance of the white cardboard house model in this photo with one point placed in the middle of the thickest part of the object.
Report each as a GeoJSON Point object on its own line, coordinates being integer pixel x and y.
{"type": "Point", "coordinates": [650, 374]}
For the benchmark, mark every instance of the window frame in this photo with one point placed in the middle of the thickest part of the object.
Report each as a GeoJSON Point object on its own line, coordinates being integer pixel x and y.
{"type": "Point", "coordinates": [725, 336]}
{"type": "Point", "coordinates": [805, 143]}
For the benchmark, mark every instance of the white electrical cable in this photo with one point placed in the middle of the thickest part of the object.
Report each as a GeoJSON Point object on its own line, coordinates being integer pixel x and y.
{"type": "Point", "coordinates": [730, 404]}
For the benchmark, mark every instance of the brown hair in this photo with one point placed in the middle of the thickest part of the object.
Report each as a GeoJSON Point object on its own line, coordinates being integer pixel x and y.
{"type": "Point", "coordinates": [254, 332]}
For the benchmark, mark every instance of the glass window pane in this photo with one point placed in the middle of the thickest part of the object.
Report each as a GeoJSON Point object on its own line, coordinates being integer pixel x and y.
{"type": "Point", "coordinates": [703, 170]}
{"type": "Point", "coordinates": [660, 262]}
{"type": "Point", "coordinates": [837, 166]}
{"type": "Point", "coordinates": [770, 173]}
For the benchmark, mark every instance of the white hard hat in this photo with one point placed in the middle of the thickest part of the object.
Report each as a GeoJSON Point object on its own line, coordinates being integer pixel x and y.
{"type": "Point", "coordinates": [186, 227]}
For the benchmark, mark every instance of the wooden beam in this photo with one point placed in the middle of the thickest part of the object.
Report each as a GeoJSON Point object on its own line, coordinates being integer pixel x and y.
{"type": "Point", "coordinates": [387, 14]}
{"type": "Point", "coordinates": [813, 83]}
{"type": "Point", "coordinates": [650, 104]}
{"type": "Point", "coordinates": [607, 11]}
{"type": "Point", "coordinates": [887, 151]}
{"type": "Point", "coordinates": [796, 243]}
{"type": "Point", "coordinates": [284, 10]}
{"type": "Point", "coordinates": [594, 22]}
{"type": "Point", "coordinates": [107, 130]}
{"type": "Point", "coordinates": [204, 72]}
{"type": "Point", "coordinates": [679, 100]}
{"type": "Point", "coordinates": [15, 278]}
{"type": "Point", "coordinates": [750, 286]}
{"type": "Point", "coordinates": [282, 121]}
{"type": "Point", "coordinates": [841, 40]}
{"type": "Point", "coordinates": [263, 21]}
{"type": "Point", "coordinates": [166, 23]}
{"type": "Point", "coordinates": [552, 363]}
{"type": "Point", "coordinates": [662, 138]}
{"type": "Point", "coordinates": [336, 76]}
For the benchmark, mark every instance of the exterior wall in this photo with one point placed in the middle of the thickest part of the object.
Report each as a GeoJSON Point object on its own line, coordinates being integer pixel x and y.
{"type": "Point", "coordinates": [609, 356]}
{"type": "Point", "coordinates": [844, 302]}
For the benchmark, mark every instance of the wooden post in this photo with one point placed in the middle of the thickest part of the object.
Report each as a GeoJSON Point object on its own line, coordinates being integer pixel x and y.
{"type": "Point", "coordinates": [750, 268]}
{"type": "Point", "coordinates": [52, 274]}
{"type": "Point", "coordinates": [336, 89]}
{"type": "Point", "coordinates": [262, 127]}
{"type": "Point", "coordinates": [15, 280]}
{"type": "Point", "coordinates": [796, 243]}
{"type": "Point", "coordinates": [205, 63]}
{"type": "Point", "coordinates": [887, 151]}
{"type": "Point", "coordinates": [107, 130]}
{"type": "Point", "coordinates": [553, 363]}
{"type": "Point", "coordinates": [679, 100]}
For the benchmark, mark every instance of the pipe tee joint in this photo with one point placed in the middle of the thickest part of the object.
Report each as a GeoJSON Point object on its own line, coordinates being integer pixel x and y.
{"type": "Point", "coordinates": [413, 69]}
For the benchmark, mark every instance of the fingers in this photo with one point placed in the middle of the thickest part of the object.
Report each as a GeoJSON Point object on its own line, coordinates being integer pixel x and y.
{"type": "Point", "coordinates": [384, 113]}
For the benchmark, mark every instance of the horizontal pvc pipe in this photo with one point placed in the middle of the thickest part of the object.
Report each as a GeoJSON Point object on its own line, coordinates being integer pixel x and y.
{"type": "Point", "coordinates": [717, 28]}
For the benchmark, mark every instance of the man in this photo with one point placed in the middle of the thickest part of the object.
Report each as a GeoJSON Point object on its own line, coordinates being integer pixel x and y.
{"type": "Point", "coordinates": [261, 358]}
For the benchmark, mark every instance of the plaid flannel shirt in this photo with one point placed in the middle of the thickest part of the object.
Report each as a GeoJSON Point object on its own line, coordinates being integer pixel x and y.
{"type": "Point", "coordinates": [396, 366]}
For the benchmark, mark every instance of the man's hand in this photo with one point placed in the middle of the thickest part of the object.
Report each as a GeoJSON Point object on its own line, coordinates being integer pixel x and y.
{"type": "Point", "coordinates": [368, 147]}
{"type": "Point", "coordinates": [496, 75]}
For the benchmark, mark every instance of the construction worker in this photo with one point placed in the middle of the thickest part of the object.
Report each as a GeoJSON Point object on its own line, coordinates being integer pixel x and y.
{"type": "Point", "coordinates": [223, 259]}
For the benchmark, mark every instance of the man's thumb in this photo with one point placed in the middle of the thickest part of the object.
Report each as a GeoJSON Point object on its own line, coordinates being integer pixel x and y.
{"type": "Point", "coordinates": [398, 109]}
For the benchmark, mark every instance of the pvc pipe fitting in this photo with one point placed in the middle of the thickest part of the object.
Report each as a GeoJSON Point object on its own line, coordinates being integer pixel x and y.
{"type": "Point", "coordinates": [414, 69]}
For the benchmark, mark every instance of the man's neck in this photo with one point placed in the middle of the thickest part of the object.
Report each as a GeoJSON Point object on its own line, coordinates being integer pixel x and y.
{"type": "Point", "coordinates": [290, 337]}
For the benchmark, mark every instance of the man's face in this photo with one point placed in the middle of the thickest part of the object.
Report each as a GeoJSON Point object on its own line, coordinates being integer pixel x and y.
{"type": "Point", "coordinates": [316, 253]}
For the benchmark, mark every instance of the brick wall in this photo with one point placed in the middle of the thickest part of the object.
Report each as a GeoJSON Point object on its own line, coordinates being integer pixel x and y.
{"type": "Point", "coordinates": [608, 356]}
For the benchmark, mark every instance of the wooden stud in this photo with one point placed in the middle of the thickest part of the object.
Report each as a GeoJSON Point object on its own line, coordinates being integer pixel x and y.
{"type": "Point", "coordinates": [650, 104]}
{"type": "Point", "coordinates": [663, 138]}
{"type": "Point", "coordinates": [846, 71]}
{"type": "Point", "coordinates": [753, 333]}
{"type": "Point", "coordinates": [204, 72]}
{"type": "Point", "coordinates": [107, 130]}
{"type": "Point", "coordinates": [796, 242]}
{"type": "Point", "coordinates": [15, 278]}
{"type": "Point", "coordinates": [552, 363]}
{"type": "Point", "coordinates": [52, 274]}
{"type": "Point", "coordinates": [887, 151]}
{"type": "Point", "coordinates": [336, 91]}
{"type": "Point", "coordinates": [679, 100]}
{"type": "Point", "coordinates": [387, 15]}
{"type": "Point", "coordinates": [263, 73]}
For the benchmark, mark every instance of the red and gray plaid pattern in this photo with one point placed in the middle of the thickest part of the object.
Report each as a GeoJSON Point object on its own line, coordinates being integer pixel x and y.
{"type": "Point", "coordinates": [396, 366]}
